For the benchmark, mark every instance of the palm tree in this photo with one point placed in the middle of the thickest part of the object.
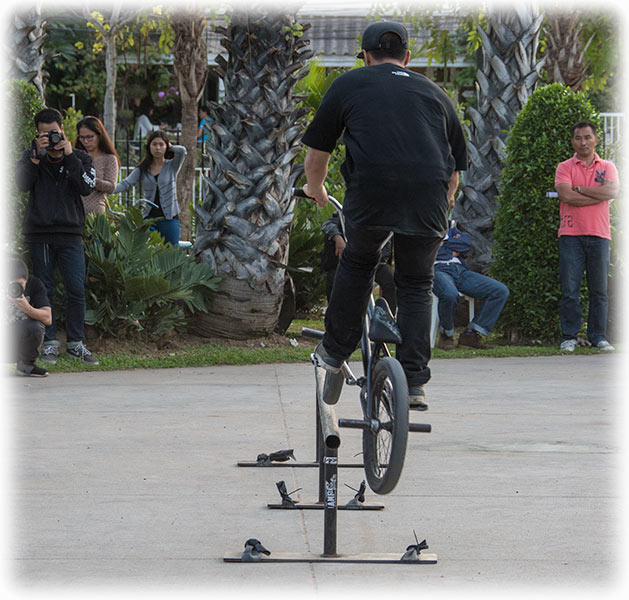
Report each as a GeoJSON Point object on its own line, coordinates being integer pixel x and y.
{"type": "Point", "coordinates": [29, 36]}
{"type": "Point", "coordinates": [508, 72]}
{"type": "Point", "coordinates": [565, 50]}
{"type": "Point", "coordinates": [191, 68]}
{"type": "Point", "coordinates": [244, 221]}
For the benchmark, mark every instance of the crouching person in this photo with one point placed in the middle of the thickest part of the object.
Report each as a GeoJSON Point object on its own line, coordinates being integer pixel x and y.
{"type": "Point", "coordinates": [29, 314]}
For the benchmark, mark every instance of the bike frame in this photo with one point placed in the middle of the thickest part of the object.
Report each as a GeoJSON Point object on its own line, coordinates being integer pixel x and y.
{"type": "Point", "coordinates": [371, 351]}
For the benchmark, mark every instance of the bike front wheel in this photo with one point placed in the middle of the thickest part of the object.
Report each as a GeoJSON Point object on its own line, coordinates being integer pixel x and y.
{"type": "Point", "coordinates": [384, 444]}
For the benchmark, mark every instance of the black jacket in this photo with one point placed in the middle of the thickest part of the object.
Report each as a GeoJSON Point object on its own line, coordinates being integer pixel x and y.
{"type": "Point", "coordinates": [55, 205]}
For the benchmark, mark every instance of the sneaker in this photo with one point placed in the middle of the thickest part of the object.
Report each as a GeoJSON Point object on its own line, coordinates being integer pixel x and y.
{"type": "Point", "coordinates": [605, 346]}
{"type": "Point", "coordinates": [50, 353]}
{"type": "Point", "coordinates": [568, 345]}
{"type": "Point", "coordinates": [416, 398]}
{"type": "Point", "coordinates": [321, 358]}
{"type": "Point", "coordinates": [81, 352]}
{"type": "Point", "coordinates": [446, 342]}
{"type": "Point", "coordinates": [24, 370]}
{"type": "Point", "coordinates": [472, 339]}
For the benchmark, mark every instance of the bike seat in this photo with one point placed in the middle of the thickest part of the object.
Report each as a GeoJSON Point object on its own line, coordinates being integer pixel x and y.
{"type": "Point", "coordinates": [383, 327]}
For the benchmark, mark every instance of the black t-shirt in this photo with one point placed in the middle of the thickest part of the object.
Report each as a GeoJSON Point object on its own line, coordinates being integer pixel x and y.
{"type": "Point", "coordinates": [403, 141]}
{"type": "Point", "coordinates": [35, 293]}
{"type": "Point", "coordinates": [156, 211]}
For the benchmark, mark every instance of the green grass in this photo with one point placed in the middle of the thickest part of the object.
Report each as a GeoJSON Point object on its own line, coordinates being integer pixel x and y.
{"type": "Point", "coordinates": [218, 354]}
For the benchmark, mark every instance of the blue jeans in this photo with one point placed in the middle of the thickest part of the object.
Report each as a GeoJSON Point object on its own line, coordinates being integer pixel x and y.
{"type": "Point", "coordinates": [414, 258]}
{"type": "Point", "coordinates": [71, 263]}
{"type": "Point", "coordinates": [578, 253]}
{"type": "Point", "coordinates": [450, 279]}
{"type": "Point", "coordinates": [169, 229]}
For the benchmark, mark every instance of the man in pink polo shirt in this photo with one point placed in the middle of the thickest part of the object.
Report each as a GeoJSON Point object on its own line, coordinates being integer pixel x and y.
{"type": "Point", "coordinates": [585, 184]}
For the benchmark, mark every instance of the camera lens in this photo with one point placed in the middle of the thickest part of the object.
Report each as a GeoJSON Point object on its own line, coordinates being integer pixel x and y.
{"type": "Point", "coordinates": [54, 137]}
{"type": "Point", "coordinates": [15, 290]}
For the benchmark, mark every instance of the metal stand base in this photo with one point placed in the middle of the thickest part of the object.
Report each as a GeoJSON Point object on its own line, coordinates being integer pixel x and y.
{"type": "Point", "coordinates": [392, 559]}
{"type": "Point", "coordinates": [296, 464]}
{"type": "Point", "coordinates": [321, 506]}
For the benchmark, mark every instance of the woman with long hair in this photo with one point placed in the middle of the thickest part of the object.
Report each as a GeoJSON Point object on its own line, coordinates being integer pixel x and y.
{"type": "Point", "coordinates": [157, 176]}
{"type": "Point", "coordinates": [92, 137]}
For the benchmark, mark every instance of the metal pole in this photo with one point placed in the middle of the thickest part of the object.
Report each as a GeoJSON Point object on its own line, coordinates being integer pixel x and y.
{"type": "Point", "coordinates": [330, 502]}
{"type": "Point", "coordinates": [320, 455]}
{"type": "Point", "coordinates": [330, 439]}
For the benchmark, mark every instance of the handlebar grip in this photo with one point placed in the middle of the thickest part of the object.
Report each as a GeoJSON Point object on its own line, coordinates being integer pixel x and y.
{"type": "Point", "coordinates": [299, 193]}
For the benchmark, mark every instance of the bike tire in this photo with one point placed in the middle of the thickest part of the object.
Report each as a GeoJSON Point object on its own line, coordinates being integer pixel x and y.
{"type": "Point", "coordinates": [384, 450]}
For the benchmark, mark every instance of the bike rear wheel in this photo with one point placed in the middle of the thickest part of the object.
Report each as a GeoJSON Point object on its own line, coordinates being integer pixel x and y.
{"type": "Point", "coordinates": [384, 446]}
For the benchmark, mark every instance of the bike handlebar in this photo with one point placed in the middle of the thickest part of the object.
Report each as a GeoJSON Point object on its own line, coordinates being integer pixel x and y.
{"type": "Point", "coordinates": [299, 193]}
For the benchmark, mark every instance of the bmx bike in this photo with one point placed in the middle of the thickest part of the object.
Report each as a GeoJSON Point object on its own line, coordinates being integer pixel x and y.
{"type": "Point", "coordinates": [383, 392]}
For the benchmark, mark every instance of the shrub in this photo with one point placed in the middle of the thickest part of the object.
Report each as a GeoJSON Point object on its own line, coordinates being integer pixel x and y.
{"type": "Point", "coordinates": [70, 120]}
{"type": "Point", "coordinates": [525, 235]}
{"type": "Point", "coordinates": [25, 103]}
{"type": "Point", "coordinates": [135, 283]}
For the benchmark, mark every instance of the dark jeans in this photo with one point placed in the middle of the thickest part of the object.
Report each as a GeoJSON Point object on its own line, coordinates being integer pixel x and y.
{"type": "Point", "coordinates": [450, 279]}
{"type": "Point", "coordinates": [384, 278]}
{"type": "Point", "coordinates": [71, 263]}
{"type": "Point", "coordinates": [414, 258]}
{"type": "Point", "coordinates": [578, 253]}
{"type": "Point", "coordinates": [170, 230]}
{"type": "Point", "coordinates": [26, 337]}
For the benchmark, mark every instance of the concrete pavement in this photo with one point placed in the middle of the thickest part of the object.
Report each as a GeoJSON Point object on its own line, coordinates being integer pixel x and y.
{"type": "Point", "coordinates": [127, 481]}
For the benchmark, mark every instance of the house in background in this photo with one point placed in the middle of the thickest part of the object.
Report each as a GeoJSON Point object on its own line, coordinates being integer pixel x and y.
{"type": "Point", "coordinates": [334, 35]}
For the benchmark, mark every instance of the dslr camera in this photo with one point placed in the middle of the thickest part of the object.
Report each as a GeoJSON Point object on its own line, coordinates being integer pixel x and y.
{"type": "Point", "coordinates": [15, 289]}
{"type": "Point", "coordinates": [54, 137]}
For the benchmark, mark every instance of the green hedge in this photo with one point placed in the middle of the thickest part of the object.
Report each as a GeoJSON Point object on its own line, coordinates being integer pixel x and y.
{"type": "Point", "coordinates": [25, 103]}
{"type": "Point", "coordinates": [525, 235]}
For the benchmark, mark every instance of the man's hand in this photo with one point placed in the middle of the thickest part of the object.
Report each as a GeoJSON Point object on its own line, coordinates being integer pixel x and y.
{"type": "Point", "coordinates": [453, 186]}
{"type": "Point", "coordinates": [65, 145]}
{"type": "Point", "coordinates": [43, 315]}
{"type": "Point", "coordinates": [21, 303]}
{"type": "Point", "coordinates": [318, 195]}
{"type": "Point", "coordinates": [339, 245]}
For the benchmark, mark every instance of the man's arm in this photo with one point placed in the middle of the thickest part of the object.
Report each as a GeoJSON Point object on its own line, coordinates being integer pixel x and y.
{"type": "Point", "coordinates": [316, 168]}
{"type": "Point", "coordinates": [608, 190]}
{"type": "Point", "coordinates": [569, 196]}
{"type": "Point", "coordinates": [26, 173]}
{"type": "Point", "coordinates": [453, 186]}
{"type": "Point", "coordinates": [43, 314]}
{"type": "Point", "coordinates": [81, 170]}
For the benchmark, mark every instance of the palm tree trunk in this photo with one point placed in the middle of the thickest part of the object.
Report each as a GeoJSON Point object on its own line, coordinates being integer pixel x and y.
{"type": "Point", "coordinates": [245, 218]}
{"type": "Point", "coordinates": [508, 73]}
{"type": "Point", "coordinates": [29, 36]}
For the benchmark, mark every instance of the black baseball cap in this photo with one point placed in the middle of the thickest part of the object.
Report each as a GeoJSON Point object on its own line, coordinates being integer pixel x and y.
{"type": "Point", "coordinates": [373, 33]}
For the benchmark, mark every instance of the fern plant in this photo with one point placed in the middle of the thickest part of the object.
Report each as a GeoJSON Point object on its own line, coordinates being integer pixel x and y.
{"type": "Point", "coordinates": [135, 283]}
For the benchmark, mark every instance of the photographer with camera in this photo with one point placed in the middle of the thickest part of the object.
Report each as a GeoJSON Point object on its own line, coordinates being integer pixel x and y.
{"type": "Point", "coordinates": [29, 313]}
{"type": "Point", "coordinates": [56, 176]}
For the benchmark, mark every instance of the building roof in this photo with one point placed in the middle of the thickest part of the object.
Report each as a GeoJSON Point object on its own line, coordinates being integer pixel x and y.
{"type": "Point", "coordinates": [335, 38]}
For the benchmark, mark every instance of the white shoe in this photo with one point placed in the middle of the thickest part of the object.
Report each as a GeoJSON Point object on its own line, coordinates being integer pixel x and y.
{"type": "Point", "coordinates": [568, 345]}
{"type": "Point", "coordinates": [605, 346]}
